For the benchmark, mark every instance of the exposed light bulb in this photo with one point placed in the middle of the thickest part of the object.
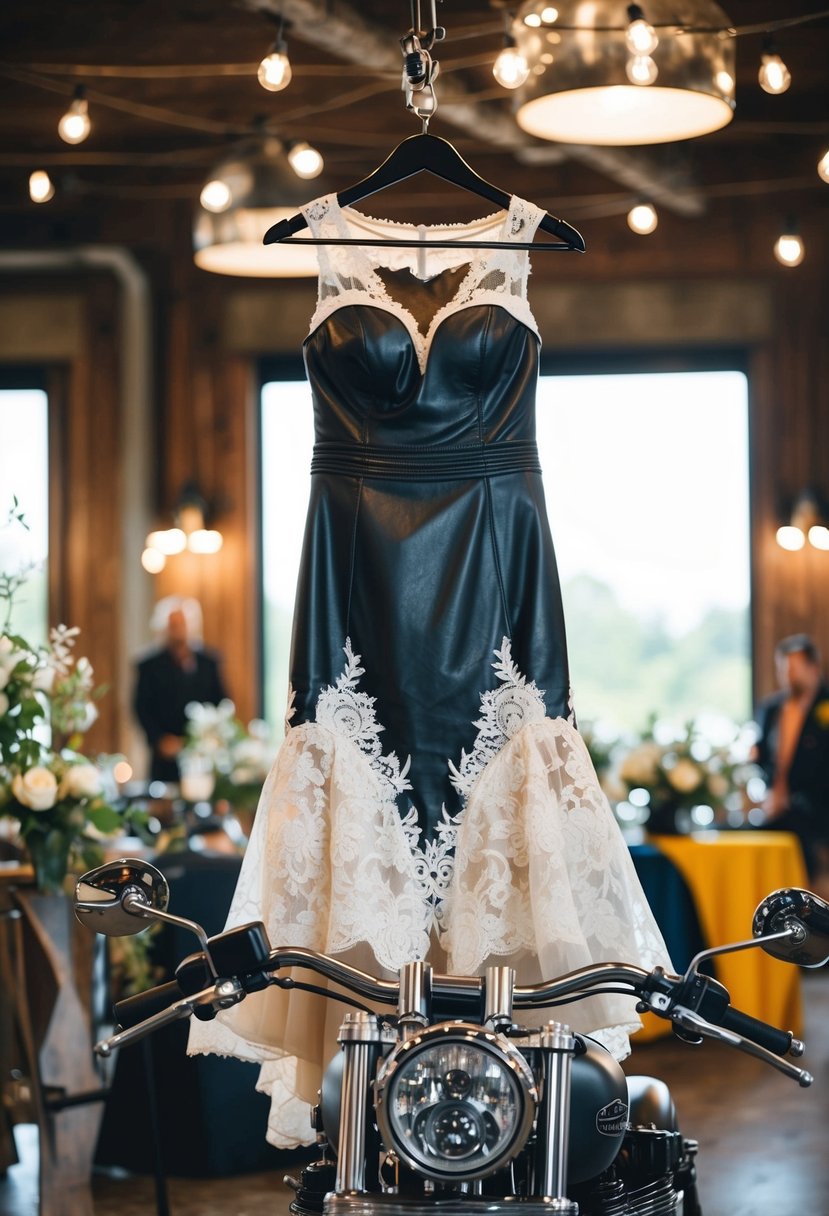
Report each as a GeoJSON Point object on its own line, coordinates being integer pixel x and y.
{"type": "Point", "coordinates": [533, 20]}
{"type": "Point", "coordinates": [216, 196]}
{"type": "Point", "coordinates": [819, 536]}
{"type": "Point", "coordinates": [641, 69]}
{"type": "Point", "coordinates": [789, 249]}
{"type": "Point", "coordinates": [510, 68]}
{"type": "Point", "coordinates": [205, 540]}
{"type": "Point", "coordinates": [305, 161]}
{"type": "Point", "coordinates": [167, 541]}
{"type": "Point", "coordinates": [75, 124]}
{"type": "Point", "coordinates": [40, 186]}
{"type": "Point", "coordinates": [642, 219]}
{"type": "Point", "coordinates": [153, 560]}
{"type": "Point", "coordinates": [640, 36]}
{"type": "Point", "coordinates": [823, 167]}
{"type": "Point", "coordinates": [549, 14]}
{"type": "Point", "coordinates": [774, 76]}
{"type": "Point", "coordinates": [791, 538]}
{"type": "Point", "coordinates": [274, 72]}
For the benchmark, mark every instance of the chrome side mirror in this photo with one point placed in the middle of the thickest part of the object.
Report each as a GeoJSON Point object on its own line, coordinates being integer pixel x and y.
{"type": "Point", "coordinates": [118, 898]}
{"type": "Point", "coordinates": [806, 915]}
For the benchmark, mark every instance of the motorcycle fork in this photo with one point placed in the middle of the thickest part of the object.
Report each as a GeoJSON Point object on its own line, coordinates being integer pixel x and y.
{"type": "Point", "coordinates": [556, 1049]}
{"type": "Point", "coordinates": [358, 1152]}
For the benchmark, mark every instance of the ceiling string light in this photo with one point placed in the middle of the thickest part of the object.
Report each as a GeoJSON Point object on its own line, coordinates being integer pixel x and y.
{"type": "Point", "coordinates": [41, 187]}
{"type": "Point", "coordinates": [274, 72]}
{"type": "Point", "coordinates": [789, 248]}
{"type": "Point", "coordinates": [642, 219]}
{"type": "Point", "coordinates": [510, 68]}
{"type": "Point", "coordinates": [823, 167]}
{"type": "Point", "coordinates": [75, 125]}
{"type": "Point", "coordinates": [774, 76]}
{"type": "Point", "coordinates": [305, 161]}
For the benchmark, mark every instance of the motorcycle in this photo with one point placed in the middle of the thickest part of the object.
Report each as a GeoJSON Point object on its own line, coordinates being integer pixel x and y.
{"type": "Point", "coordinates": [446, 1104]}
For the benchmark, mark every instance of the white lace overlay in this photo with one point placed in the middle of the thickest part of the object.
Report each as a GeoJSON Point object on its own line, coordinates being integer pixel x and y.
{"type": "Point", "coordinates": [348, 274]}
{"type": "Point", "coordinates": [533, 871]}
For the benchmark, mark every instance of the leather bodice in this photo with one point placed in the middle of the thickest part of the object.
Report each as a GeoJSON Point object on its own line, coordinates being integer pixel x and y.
{"type": "Point", "coordinates": [478, 385]}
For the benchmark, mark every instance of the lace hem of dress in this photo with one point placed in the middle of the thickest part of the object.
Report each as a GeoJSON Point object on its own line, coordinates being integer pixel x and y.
{"type": "Point", "coordinates": [542, 879]}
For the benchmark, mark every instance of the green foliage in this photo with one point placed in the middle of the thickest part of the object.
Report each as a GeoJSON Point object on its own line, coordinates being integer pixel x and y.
{"type": "Point", "coordinates": [623, 669]}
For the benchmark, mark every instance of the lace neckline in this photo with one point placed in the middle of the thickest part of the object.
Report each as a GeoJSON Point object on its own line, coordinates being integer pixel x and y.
{"type": "Point", "coordinates": [348, 275]}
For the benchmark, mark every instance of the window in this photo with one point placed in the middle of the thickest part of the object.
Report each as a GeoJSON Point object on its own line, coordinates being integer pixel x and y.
{"type": "Point", "coordinates": [287, 431]}
{"type": "Point", "coordinates": [646, 478]}
{"type": "Point", "coordinates": [24, 476]}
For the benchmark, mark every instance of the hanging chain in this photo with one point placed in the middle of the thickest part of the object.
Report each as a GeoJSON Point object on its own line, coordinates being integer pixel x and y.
{"type": "Point", "coordinates": [420, 70]}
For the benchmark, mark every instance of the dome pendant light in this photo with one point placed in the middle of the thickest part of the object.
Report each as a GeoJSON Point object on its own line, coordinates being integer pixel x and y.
{"type": "Point", "coordinates": [261, 182]}
{"type": "Point", "coordinates": [624, 74]}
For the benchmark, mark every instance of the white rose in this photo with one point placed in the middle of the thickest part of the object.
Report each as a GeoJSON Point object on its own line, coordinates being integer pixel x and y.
{"type": "Point", "coordinates": [36, 789]}
{"type": "Point", "coordinates": [685, 776]}
{"type": "Point", "coordinates": [4, 704]}
{"type": "Point", "coordinates": [80, 781]}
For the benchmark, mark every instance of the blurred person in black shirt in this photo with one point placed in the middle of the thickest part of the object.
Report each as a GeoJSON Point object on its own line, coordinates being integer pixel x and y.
{"type": "Point", "coordinates": [178, 670]}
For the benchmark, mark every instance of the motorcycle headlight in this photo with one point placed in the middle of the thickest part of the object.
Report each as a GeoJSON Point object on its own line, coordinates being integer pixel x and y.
{"type": "Point", "coordinates": [455, 1102]}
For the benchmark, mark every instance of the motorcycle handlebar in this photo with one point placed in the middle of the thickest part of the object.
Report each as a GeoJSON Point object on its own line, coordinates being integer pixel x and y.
{"type": "Point", "coordinates": [134, 1009]}
{"type": "Point", "coordinates": [780, 1042]}
{"type": "Point", "coordinates": [147, 1011]}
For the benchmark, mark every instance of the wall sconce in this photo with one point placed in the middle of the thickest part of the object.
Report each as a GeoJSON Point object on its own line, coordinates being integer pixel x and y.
{"type": "Point", "coordinates": [188, 532]}
{"type": "Point", "coordinates": [806, 523]}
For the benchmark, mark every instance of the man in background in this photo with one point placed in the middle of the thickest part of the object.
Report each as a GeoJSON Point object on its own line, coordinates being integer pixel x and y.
{"type": "Point", "coordinates": [178, 670]}
{"type": "Point", "coordinates": [793, 750]}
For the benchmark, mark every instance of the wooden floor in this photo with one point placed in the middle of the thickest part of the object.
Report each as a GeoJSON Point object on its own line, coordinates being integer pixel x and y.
{"type": "Point", "coordinates": [763, 1141]}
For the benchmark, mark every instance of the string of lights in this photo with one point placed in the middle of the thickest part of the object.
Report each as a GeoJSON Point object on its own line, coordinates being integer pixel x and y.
{"type": "Point", "coordinates": [275, 73]}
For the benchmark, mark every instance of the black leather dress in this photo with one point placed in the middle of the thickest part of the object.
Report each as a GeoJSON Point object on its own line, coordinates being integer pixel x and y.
{"type": "Point", "coordinates": [433, 798]}
{"type": "Point", "coordinates": [427, 539]}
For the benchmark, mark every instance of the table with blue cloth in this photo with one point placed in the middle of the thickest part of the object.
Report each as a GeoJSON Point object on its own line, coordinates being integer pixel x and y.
{"type": "Point", "coordinates": [212, 1122]}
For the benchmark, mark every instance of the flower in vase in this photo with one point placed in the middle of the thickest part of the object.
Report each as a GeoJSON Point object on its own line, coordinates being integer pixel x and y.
{"type": "Point", "coordinates": [36, 789]}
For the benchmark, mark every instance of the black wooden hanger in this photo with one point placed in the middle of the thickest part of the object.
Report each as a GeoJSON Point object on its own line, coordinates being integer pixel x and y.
{"type": "Point", "coordinates": [425, 153]}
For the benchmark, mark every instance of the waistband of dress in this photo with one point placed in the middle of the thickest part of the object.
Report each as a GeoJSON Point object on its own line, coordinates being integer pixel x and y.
{"type": "Point", "coordinates": [419, 463]}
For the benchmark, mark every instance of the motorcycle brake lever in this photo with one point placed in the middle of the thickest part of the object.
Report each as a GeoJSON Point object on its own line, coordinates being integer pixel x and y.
{"type": "Point", "coordinates": [220, 995]}
{"type": "Point", "coordinates": [696, 1025]}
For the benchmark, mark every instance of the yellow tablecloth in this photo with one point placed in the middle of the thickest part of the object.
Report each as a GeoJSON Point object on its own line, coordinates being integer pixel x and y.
{"type": "Point", "coordinates": [728, 873]}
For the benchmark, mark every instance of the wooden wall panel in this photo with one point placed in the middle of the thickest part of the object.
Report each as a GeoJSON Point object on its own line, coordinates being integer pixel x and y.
{"type": "Point", "coordinates": [207, 434]}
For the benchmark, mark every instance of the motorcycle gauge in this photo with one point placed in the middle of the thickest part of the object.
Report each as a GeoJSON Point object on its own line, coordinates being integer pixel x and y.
{"type": "Point", "coordinates": [455, 1102]}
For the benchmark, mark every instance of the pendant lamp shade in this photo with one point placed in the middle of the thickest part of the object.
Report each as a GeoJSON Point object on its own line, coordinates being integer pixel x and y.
{"type": "Point", "coordinates": [588, 84]}
{"type": "Point", "coordinates": [246, 194]}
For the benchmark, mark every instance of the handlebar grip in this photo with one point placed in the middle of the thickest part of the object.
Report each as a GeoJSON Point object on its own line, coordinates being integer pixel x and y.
{"type": "Point", "coordinates": [777, 1041]}
{"type": "Point", "coordinates": [134, 1009]}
